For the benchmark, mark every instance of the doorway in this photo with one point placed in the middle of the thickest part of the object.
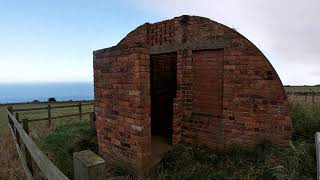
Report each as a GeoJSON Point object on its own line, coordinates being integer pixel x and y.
{"type": "Point", "coordinates": [163, 70]}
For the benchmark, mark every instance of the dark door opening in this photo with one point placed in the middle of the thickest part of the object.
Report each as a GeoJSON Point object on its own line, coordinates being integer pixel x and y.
{"type": "Point", "coordinates": [163, 90]}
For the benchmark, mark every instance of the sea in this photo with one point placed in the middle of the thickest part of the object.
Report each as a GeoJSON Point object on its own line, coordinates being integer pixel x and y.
{"type": "Point", "coordinates": [61, 91]}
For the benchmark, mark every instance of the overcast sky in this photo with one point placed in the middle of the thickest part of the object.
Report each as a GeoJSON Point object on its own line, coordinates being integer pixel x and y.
{"type": "Point", "coordinates": [44, 40]}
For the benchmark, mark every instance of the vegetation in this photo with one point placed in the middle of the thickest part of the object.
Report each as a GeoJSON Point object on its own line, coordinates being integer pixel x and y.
{"type": "Point", "coordinates": [191, 161]}
{"type": "Point", "coordinates": [10, 167]}
{"type": "Point", "coordinates": [302, 88]}
{"type": "Point", "coordinates": [306, 121]}
{"type": "Point", "coordinates": [60, 144]}
{"type": "Point", "coordinates": [69, 134]}
{"type": "Point", "coordinates": [52, 99]}
{"type": "Point", "coordinates": [64, 137]}
{"type": "Point", "coordinates": [266, 161]}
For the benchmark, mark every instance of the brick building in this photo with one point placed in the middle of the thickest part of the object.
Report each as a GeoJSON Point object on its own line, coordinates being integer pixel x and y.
{"type": "Point", "coordinates": [185, 79]}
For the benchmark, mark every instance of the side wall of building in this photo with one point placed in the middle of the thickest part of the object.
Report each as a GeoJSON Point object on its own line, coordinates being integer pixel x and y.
{"type": "Point", "coordinates": [122, 101]}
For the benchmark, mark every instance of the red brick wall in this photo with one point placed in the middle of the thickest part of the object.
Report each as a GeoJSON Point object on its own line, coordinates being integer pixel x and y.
{"type": "Point", "coordinates": [255, 104]}
{"type": "Point", "coordinates": [207, 88]}
{"type": "Point", "coordinates": [227, 91]}
{"type": "Point", "coordinates": [122, 102]}
{"type": "Point", "coordinates": [161, 33]}
{"type": "Point", "coordinates": [207, 82]}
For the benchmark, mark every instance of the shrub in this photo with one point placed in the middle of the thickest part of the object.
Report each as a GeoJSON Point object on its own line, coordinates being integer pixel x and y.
{"type": "Point", "coordinates": [52, 99]}
{"type": "Point", "coordinates": [305, 121]}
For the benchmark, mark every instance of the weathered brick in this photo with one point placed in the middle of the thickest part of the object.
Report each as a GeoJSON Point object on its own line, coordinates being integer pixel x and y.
{"type": "Point", "coordinates": [227, 91]}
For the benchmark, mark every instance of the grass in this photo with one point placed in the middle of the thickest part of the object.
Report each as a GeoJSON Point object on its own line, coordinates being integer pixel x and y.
{"type": "Point", "coordinates": [10, 167]}
{"type": "Point", "coordinates": [305, 120]}
{"type": "Point", "coordinates": [302, 88]}
{"type": "Point", "coordinates": [64, 137]}
{"type": "Point", "coordinates": [60, 144]}
{"type": "Point", "coordinates": [302, 98]}
{"type": "Point", "coordinates": [39, 130]}
{"type": "Point", "coordinates": [265, 161]}
{"type": "Point", "coordinates": [59, 141]}
{"type": "Point", "coordinates": [191, 161]}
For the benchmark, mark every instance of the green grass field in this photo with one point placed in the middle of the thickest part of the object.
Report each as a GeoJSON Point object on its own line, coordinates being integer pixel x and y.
{"type": "Point", "coordinates": [300, 98]}
{"type": "Point", "coordinates": [302, 88]}
{"type": "Point", "coordinates": [58, 141]}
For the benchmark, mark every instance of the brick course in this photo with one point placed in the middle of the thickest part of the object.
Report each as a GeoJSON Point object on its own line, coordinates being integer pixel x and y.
{"type": "Point", "coordinates": [227, 91]}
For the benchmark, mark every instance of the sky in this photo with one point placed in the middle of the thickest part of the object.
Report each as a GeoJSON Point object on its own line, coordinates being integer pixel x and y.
{"type": "Point", "coordinates": [53, 41]}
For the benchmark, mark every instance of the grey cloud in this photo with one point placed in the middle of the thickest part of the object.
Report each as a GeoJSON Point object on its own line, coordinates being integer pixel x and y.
{"type": "Point", "coordinates": [287, 31]}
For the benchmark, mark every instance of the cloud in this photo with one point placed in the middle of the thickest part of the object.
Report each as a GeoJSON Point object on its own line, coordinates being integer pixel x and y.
{"type": "Point", "coordinates": [287, 31]}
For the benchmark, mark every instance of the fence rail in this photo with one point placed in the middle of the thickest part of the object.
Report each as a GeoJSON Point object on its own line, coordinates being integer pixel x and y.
{"type": "Point", "coordinates": [29, 152]}
{"type": "Point", "coordinates": [50, 108]}
{"type": "Point", "coordinates": [313, 95]}
{"type": "Point", "coordinates": [304, 93]}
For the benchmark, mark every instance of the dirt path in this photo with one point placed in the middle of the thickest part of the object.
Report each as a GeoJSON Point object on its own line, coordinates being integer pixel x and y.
{"type": "Point", "coordinates": [10, 167]}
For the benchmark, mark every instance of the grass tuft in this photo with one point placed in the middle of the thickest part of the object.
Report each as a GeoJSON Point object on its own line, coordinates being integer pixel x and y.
{"type": "Point", "coordinates": [305, 121]}
{"type": "Point", "coordinates": [265, 161]}
{"type": "Point", "coordinates": [60, 144]}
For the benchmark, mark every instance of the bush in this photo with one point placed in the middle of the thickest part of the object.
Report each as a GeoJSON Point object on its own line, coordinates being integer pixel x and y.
{"type": "Point", "coordinates": [52, 99]}
{"type": "Point", "coordinates": [305, 121]}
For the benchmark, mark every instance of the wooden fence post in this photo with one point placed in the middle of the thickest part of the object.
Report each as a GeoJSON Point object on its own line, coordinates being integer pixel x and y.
{"type": "Point", "coordinates": [16, 131]}
{"type": "Point", "coordinates": [306, 96]}
{"type": "Point", "coordinates": [17, 117]}
{"type": "Point", "coordinates": [93, 121]}
{"type": "Point", "coordinates": [313, 97]}
{"type": "Point", "coordinates": [80, 111]}
{"type": "Point", "coordinates": [49, 113]}
{"type": "Point", "coordinates": [10, 109]}
{"type": "Point", "coordinates": [26, 152]}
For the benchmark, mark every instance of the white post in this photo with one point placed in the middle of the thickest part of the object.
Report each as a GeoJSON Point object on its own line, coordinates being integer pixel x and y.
{"type": "Point", "coordinates": [317, 139]}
